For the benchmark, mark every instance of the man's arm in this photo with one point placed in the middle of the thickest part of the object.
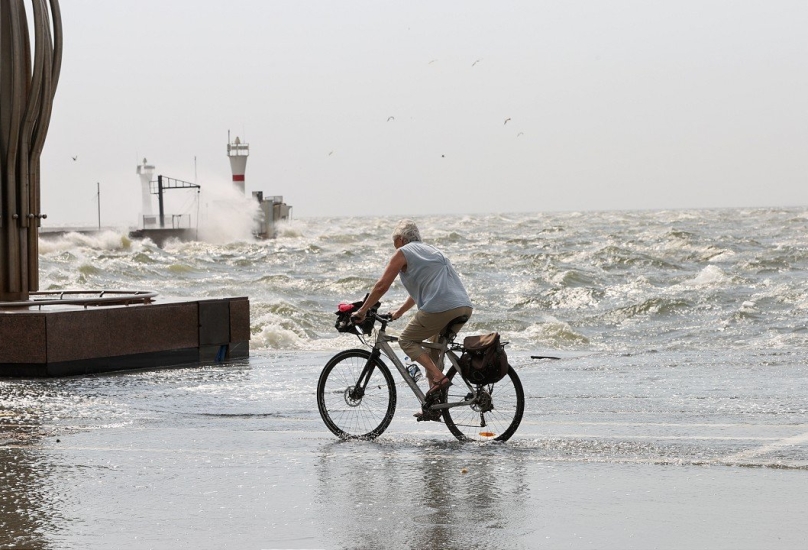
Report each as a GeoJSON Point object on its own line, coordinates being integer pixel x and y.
{"type": "Point", "coordinates": [405, 307]}
{"type": "Point", "coordinates": [394, 267]}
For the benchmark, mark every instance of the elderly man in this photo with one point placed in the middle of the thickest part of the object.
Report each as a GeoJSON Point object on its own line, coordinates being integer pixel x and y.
{"type": "Point", "coordinates": [433, 285]}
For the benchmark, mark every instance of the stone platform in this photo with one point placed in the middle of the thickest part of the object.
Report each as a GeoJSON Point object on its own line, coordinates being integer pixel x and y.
{"type": "Point", "coordinates": [73, 340]}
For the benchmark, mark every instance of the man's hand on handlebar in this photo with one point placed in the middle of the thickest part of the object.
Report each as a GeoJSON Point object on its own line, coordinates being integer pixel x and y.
{"type": "Point", "coordinates": [358, 316]}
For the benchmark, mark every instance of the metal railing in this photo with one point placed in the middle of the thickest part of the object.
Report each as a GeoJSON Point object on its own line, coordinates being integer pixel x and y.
{"type": "Point", "coordinates": [85, 298]}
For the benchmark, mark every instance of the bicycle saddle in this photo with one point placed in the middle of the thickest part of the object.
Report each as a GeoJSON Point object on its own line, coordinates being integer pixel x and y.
{"type": "Point", "coordinates": [448, 332]}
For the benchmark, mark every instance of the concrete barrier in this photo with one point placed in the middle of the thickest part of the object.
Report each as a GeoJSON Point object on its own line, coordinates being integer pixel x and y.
{"type": "Point", "coordinates": [74, 340]}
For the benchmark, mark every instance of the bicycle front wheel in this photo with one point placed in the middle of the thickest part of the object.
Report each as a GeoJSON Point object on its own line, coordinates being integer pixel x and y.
{"type": "Point", "coordinates": [351, 412]}
{"type": "Point", "coordinates": [496, 416]}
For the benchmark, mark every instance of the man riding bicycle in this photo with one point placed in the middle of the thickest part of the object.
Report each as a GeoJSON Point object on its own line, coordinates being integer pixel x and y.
{"type": "Point", "coordinates": [434, 286]}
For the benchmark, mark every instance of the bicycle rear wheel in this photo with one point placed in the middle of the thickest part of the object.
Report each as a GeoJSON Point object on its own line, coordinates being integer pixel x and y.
{"type": "Point", "coordinates": [350, 414]}
{"type": "Point", "coordinates": [495, 420]}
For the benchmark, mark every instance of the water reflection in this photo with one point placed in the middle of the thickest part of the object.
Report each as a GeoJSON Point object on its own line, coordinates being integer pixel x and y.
{"type": "Point", "coordinates": [24, 510]}
{"type": "Point", "coordinates": [414, 494]}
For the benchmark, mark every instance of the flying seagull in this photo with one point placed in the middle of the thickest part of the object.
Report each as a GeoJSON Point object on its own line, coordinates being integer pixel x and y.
{"type": "Point", "coordinates": [390, 118]}
{"type": "Point", "coordinates": [506, 120]}
{"type": "Point", "coordinates": [74, 158]}
{"type": "Point", "coordinates": [520, 134]}
{"type": "Point", "coordinates": [476, 62]}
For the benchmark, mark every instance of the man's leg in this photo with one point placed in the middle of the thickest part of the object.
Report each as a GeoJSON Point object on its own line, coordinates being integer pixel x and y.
{"type": "Point", "coordinates": [427, 326]}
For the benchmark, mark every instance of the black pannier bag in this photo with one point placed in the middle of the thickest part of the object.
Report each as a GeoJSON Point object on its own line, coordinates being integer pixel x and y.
{"type": "Point", "coordinates": [484, 360]}
{"type": "Point", "coordinates": [345, 322]}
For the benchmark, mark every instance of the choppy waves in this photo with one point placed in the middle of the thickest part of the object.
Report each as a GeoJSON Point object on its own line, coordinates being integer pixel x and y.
{"type": "Point", "coordinates": [608, 281]}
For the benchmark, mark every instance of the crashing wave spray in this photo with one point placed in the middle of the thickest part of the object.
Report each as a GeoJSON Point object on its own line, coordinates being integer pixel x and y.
{"type": "Point", "coordinates": [226, 215]}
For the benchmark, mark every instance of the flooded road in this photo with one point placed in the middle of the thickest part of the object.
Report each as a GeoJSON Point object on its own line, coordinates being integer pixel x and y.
{"type": "Point", "coordinates": [650, 451]}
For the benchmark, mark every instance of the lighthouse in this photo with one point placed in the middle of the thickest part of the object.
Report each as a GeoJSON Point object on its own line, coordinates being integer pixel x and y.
{"type": "Point", "coordinates": [146, 172]}
{"type": "Point", "coordinates": [238, 153]}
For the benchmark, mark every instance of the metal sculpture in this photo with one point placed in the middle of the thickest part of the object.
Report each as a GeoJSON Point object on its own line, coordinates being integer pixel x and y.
{"type": "Point", "coordinates": [28, 78]}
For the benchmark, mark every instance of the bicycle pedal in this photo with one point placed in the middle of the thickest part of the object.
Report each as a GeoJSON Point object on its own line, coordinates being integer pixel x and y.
{"type": "Point", "coordinates": [428, 416]}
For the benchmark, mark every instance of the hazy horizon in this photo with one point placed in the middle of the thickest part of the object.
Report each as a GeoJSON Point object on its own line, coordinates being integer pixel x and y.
{"type": "Point", "coordinates": [408, 108]}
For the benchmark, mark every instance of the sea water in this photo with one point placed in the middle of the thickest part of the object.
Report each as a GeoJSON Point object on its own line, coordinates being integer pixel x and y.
{"type": "Point", "coordinates": [616, 282]}
{"type": "Point", "coordinates": [674, 417]}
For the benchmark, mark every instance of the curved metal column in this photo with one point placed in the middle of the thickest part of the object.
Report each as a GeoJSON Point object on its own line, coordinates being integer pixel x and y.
{"type": "Point", "coordinates": [28, 78]}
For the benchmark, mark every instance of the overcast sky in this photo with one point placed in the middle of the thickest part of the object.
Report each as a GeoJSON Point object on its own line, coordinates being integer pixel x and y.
{"type": "Point", "coordinates": [426, 107]}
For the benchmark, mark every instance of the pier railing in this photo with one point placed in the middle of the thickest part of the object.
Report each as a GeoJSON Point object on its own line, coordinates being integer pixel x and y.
{"type": "Point", "coordinates": [85, 298]}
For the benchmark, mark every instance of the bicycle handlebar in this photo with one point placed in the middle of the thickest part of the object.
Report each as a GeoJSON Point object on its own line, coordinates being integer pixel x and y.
{"type": "Point", "coordinates": [383, 317]}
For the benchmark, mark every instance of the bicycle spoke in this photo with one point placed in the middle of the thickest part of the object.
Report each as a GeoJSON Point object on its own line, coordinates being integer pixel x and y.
{"type": "Point", "coordinates": [495, 419]}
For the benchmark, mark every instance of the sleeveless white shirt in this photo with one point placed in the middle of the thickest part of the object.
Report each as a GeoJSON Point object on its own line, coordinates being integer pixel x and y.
{"type": "Point", "coordinates": [431, 280]}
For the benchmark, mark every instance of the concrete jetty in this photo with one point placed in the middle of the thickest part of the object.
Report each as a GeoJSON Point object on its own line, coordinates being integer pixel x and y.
{"type": "Point", "coordinates": [73, 339]}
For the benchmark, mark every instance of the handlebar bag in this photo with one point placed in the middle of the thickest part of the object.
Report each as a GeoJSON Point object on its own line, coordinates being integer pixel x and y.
{"type": "Point", "coordinates": [345, 322]}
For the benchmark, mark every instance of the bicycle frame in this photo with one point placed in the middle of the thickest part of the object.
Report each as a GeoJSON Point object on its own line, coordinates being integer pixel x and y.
{"type": "Point", "coordinates": [382, 345]}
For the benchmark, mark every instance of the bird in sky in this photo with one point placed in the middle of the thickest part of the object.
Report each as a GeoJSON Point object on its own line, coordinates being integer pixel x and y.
{"type": "Point", "coordinates": [431, 62]}
{"type": "Point", "coordinates": [390, 118]}
{"type": "Point", "coordinates": [520, 134]}
{"type": "Point", "coordinates": [506, 120]}
{"type": "Point", "coordinates": [74, 158]}
{"type": "Point", "coordinates": [476, 62]}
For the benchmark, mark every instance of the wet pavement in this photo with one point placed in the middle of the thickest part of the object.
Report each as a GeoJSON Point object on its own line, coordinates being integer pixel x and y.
{"type": "Point", "coordinates": [654, 451]}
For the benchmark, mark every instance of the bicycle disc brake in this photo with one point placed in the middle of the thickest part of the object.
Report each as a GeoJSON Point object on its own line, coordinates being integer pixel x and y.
{"type": "Point", "coordinates": [353, 396]}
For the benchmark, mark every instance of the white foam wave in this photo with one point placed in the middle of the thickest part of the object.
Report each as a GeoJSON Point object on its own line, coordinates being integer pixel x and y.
{"type": "Point", "coordinates": [289, 230]}
{"type": "Point", "coordinates": [106, 240]}
{"type": "Point", "coordinates": [276, 337]}
{"type": "Point", "coordinates": [709, 276]}
{"type": "Point", "coordinates": [552, 333]}
{"type": "Point", "coordinates": [574, 298]}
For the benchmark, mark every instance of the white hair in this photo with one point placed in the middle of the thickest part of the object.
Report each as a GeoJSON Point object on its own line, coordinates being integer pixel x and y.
{"type": "Point", "coordinates": [407, 231]}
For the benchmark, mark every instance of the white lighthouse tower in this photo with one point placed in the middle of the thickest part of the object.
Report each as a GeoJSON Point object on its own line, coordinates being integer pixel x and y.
{"type": "Point", "coordinates": [238, 153]}
{"type": "Point", "coordinates": [146, 172]}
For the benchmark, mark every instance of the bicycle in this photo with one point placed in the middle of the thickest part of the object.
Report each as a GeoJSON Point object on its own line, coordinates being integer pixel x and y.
{"type": "Point", "coordinates": [356, 393]}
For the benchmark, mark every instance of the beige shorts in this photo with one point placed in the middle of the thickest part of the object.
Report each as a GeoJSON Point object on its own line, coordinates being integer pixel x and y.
{"type": "Point", "coordinates": [428, 326]}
